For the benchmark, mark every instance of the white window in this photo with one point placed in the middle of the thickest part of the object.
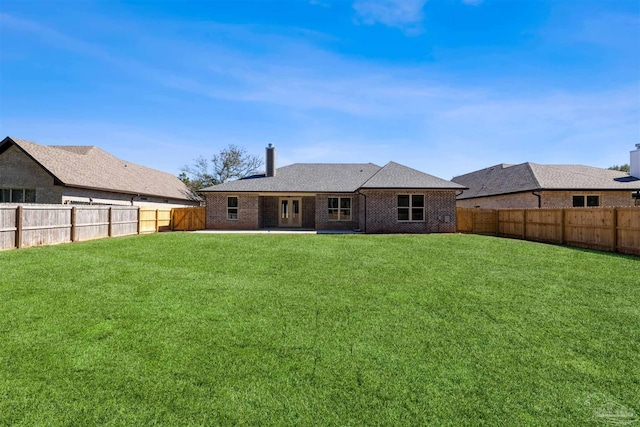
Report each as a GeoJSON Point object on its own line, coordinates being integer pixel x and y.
{"type": "Point", "coordinates": [411, 207]}
{"type": "Point", "coordinates": [339, 208]}
{"type": "Point", "coordinates": [232, 208]}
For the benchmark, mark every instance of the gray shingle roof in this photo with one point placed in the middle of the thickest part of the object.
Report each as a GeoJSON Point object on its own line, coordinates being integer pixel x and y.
{"type": "Point", "coordinates": [395, 175]}
{"type": "Point", "coordinates": [506, 179]}
{"type": "Point", "coordinates": [91, 167]}
{"type": "Point", "coordinates": [335, 178]}
{"type": "Point", "coordinates": [305, 178]}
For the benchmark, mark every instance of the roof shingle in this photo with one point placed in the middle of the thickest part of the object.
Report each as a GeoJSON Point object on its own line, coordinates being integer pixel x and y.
{"type": "Point", "coordinates": [507, 179]}
{"type": "Point", "coordinates": [91, 167]}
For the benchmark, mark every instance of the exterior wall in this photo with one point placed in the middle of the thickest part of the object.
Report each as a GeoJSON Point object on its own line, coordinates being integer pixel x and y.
{"type": "Point", "coordinates": [382, 212]}
{"type": "Point", "coordinates": [517, 200]}
{"type": "Point", "coordinates": [549, 199]}
{"type": "Point", "coordinates": [269, 212]}
{"type": "Point", "coordinates": [248, 212]}
{"type": "Point", "coordinates": [82, 196]}
{"type": "Point", "coordinates": [322, 213]}
{"type": "Point", "coordinates": [17, 170]}
{"type": "Point", "coordinates": [309, 212]}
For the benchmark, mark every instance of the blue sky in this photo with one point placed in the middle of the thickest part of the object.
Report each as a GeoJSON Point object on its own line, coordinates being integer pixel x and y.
{"type": "Point", "coordinates": [446, 87]}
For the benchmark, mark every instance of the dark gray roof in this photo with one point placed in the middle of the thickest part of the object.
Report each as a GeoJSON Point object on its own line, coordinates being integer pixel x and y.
{"type": "Point", "coordinates": [91, 167]}
{"type": "Point", "coordinates": [395, 175]}
{"type": "Point", "coordinates": [506, 179]}
{"type": "Point", "coordinates": [334, 178]}
{"type": "Point", "coordinates": [305, 178]}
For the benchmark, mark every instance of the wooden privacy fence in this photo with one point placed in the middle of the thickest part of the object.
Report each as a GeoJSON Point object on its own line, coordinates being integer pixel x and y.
{"type": "Point", "coordinates": [23, 226]}
{"type": "Point", "coordinates": [607, 229]}
{"type": "Point", "coordinates": [187, 219]}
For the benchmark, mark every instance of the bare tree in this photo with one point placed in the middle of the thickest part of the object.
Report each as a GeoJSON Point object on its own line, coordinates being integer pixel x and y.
{"type": "Point", "coordinates": [232, 162]}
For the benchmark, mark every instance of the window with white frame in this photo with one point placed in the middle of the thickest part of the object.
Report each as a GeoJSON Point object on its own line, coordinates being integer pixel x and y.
{"type": "Point", "coordinates": [588, 201]}
{"type": "Point", "coordinates": [17, 195]}
{"type": "Point", "coordinates": [339, 208]}
{"type": "Point", "coordinates": [232, 207]}
{"type": "Point", "coordinates": [411, 207]}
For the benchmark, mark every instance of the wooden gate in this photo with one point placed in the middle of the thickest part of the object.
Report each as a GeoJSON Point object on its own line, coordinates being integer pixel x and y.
{"type": "Point", "coordinates": [188, 219]}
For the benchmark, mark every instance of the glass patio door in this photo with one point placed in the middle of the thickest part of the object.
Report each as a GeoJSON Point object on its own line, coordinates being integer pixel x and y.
{"type": "Point", "coordinates": [290, 214]}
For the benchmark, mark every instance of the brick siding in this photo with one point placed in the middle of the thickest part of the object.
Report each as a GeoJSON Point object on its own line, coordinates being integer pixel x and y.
{"type": "Point", "coordinates": [382, 212]}
{"type": "Point", "coordinates": [549, 199]}
{"type": "Point", "coordinates": [17, 170]}
{"type": "Point", "coordinates": [248, 212]}
{"type": "Point", "coordinates": [322, 212]}
{"type": "Point", "coordinates": [381, 217]}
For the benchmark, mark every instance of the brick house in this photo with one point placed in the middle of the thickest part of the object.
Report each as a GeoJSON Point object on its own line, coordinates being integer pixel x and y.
{"type": "Point", "coordinates": [530, 185]}
{"type": "Point", "coordinates": [362, 196]}
{"type": "Point", "coordinates": [33, 173]}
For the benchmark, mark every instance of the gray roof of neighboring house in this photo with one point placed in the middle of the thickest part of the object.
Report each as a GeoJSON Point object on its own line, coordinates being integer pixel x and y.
{"type": "Point", "coordinates": [91, 167]}
{"type": "Point", "coordinates": [506, 179]}
{"type": "Point", "coordinates": [335, 178]}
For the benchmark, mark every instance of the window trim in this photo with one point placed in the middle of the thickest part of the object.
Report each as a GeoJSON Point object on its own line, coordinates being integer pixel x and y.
{"type": "Point", "coordinates": [235, 208]}
{"type": "Point", "coordinates": [339, 209]}
{"type": "Point", "coordinates": [410, 209]}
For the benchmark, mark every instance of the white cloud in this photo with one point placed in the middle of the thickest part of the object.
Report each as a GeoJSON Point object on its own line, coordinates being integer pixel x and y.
{"type": "Point", "coordinates": [404, 14]}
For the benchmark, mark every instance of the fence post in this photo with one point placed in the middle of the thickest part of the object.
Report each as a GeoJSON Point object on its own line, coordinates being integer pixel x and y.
{"type": "Point", "coordinates": [173, 212]}
{"type": "Point", "coordinates": [19, 227]}
{"type": "Point", "coordinates": [110, 221]}
{"type": "Point", "coordinates": [614, 229]}
{"type": "Point", "coordinates": [157, 220]}
{"type": "Point", "coordinates": [73, 224]}
{"type": "Point", "coordinates": [139, 219]}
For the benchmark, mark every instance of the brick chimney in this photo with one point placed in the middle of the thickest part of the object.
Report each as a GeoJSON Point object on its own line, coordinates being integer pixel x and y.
{"type": "Point", "coordinates": [271, 160]}
{"type": "Point", "coordinates": [634, 163]}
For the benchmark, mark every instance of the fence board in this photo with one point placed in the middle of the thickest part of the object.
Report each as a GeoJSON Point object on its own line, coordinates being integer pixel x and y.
{"type": "Point", "coordinates": [628, 230]}
{"type": "Point", "coordinates": [148, 220]}
{"type": "Point", "coordinates": [164, 220]}
{"type": "Point", "coordinates": [609, 229]}
{"type": "Point", "coordinates": [511, 223]}
{"type": "Point", "coordinates": [91, 222]}
{"type": "Point", "coordinates": [35, 225]}
{"type": "Point", "coordinates": [7, 227]}
{"type": "Point", "coordinates": [188, 219]}
{"type": "Point", "coordinates": [45, 225]}
{"type": "Point", "coordinates": [124, 221]}
{"type": "Point", "coordinates": [544, 225]}
{"type": "Point", "coordinates": [589, 228]}
{"type": "Point", "coordinates": [464, 220]}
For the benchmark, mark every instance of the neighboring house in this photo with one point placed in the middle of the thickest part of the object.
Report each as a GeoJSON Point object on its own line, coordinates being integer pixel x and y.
{"type": "Point", "coordinates": [33, 173]}
{"type": "Point", "coordinates": [530, 185]}
{"type": "Point", "coordinates": [365, 197]}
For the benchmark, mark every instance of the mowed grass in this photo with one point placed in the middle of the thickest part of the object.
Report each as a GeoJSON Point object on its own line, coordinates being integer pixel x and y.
{"type": "Point", "coordinates": [193, 329]}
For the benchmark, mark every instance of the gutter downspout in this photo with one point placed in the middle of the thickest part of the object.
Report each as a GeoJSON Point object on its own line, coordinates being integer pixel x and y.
{"type": "Point", "coordinates": [539, 196]}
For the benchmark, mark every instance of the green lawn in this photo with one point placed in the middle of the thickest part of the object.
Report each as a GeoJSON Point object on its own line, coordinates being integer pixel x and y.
{"type": "Point", "coordinates": [193, 329]}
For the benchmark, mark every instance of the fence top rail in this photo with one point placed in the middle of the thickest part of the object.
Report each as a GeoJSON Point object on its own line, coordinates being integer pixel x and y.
{"type": "Point", "coordinates": [6, 206]}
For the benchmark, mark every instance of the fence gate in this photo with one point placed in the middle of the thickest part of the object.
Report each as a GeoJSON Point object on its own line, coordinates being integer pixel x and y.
{"type": "Point", "coordinates": [188, 219]}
